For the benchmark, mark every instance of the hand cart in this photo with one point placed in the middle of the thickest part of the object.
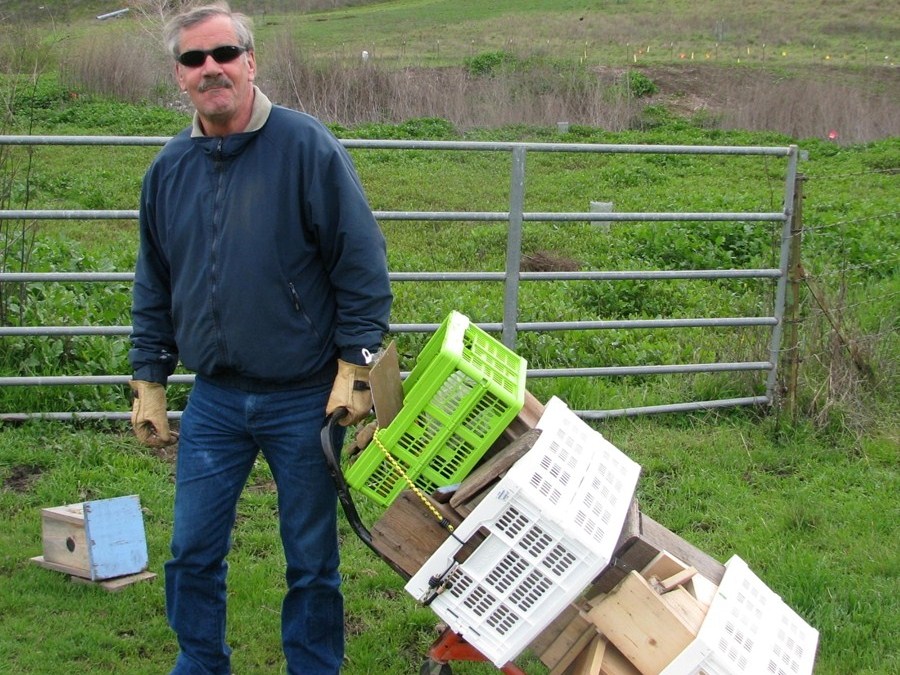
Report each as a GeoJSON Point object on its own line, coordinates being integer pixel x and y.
{"type": "Point", "coordinates": [450, 646]}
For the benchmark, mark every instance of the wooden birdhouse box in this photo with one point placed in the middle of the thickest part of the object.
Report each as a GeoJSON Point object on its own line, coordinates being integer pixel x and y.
{"type": "Point", "coordinates": [95, 540]}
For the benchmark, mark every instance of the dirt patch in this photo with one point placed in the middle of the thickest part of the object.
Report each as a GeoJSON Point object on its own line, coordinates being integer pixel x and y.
{"type": "Point", "coordinates": [262, 486]}
{"type": "Point", "coordinates": [548, 261]}
{"type": "Point", "coordinates": [166, 454]}
{"type": "Point", "coordinates": [22, 477]}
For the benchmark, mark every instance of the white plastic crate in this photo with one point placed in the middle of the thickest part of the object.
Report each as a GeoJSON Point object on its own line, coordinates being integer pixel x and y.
{"type": "Point", "coordinates": [551, 526]}
{"type": "Point", "coordinates": [578, 478]}
{"type": "Point", "coordinates": [748, 629]}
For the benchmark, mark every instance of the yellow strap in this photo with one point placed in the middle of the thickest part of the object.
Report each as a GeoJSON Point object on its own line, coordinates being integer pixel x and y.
{"type": "Point", "coordinates": [400, 470]}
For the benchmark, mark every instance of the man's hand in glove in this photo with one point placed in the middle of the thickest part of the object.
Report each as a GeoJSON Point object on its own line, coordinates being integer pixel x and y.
{"type": "Point", "coordinates": [148, 415]}
{"type": "Point", "coordinates": [350, 391]}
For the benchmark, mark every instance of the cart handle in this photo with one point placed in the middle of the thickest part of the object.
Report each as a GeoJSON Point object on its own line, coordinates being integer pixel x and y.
{"type": "Point", "coordinates": [332, 449]}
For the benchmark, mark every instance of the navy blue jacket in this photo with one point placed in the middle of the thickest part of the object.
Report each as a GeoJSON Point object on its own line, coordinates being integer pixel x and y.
{"type": "Point", "coordinates": [260, 261]}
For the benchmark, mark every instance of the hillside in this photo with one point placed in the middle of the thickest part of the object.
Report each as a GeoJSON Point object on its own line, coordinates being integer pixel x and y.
{"type": "Point", "coordinates": [802, 69]}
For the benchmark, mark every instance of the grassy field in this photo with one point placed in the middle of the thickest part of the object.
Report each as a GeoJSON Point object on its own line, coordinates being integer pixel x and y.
{"type": "Point", "coordinates": [810, 504]}
{"type": "Point", "coordinates": [815, 516]}
{"type": "Point", "coordinates": [440, 32]}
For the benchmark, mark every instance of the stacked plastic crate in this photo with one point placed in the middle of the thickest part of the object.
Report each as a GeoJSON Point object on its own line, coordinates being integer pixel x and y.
{"type": "Point", "coordinates": [465, 388]}
{"type": "Point", "coordinates": [552, 523]}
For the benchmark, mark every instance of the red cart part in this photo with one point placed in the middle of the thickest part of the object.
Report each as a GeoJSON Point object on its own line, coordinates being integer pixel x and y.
{"type": "Point", "coordinates": [452, 647]}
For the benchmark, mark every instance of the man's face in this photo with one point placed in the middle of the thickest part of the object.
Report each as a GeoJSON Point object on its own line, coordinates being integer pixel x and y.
{"type": "Point", "coordinates": [222, 93]}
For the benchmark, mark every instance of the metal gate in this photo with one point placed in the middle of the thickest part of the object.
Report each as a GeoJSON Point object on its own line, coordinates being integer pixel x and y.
{"type": "Point", "coordinates": [508, 326]}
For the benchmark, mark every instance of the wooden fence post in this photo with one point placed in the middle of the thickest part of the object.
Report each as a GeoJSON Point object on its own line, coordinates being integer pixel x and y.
{"type": "Point", "coordinates": [792, 303]}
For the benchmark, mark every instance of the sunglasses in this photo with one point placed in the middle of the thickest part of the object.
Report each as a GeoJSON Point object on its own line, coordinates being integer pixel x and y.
{"type": "Point", "coordinates": [197, 57]}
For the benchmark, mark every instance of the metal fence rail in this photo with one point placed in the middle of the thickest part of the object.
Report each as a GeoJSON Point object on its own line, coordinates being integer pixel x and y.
{"type": "Point", "coordinates": [512, 277]}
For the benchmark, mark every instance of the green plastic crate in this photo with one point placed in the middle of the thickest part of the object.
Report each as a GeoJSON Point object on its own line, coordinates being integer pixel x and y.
{"type": "Point", "coordinates": [463, 391]}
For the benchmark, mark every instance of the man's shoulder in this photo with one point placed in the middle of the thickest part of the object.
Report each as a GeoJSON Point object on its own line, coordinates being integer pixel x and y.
{"type": "Point", "coordinates": [290, 131]}
{"type": "Point", "coordinates": [176, 145]}
{"type": "Point", "coordinates": [182, 137]}
{"type": "Point", "coordinates": [298, 122]}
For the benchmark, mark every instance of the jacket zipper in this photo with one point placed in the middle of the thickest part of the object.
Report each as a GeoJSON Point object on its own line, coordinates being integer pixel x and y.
{"type": "Point", "coordinates": [214, 253]}
{"type": "Point", "coordinates": [294, 297]}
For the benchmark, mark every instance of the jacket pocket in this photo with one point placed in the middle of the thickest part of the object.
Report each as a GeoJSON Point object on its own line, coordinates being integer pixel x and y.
{"type": "Point", "coordinates": [298, 307]}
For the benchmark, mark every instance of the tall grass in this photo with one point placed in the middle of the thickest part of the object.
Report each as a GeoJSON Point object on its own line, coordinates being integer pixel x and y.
{"type": "Point", "coordinates": [534, 90]}
{"type": "Point", "coordinates": [351, 94]}
{"type": "Point", "coordinates": [803, 107]}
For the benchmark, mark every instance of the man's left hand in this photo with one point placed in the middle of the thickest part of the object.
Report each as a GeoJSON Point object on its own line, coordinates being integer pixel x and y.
{"type": "Point", "coordinates": [351, 391]}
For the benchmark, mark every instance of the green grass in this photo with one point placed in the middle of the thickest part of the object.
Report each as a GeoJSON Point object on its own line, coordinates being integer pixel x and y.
{"type": "Point", "coordinates": [442, 32]}
{"type": "Point", "coordinates": [811, 506]}
{"type": "Point", "coordinates": [814, 515]}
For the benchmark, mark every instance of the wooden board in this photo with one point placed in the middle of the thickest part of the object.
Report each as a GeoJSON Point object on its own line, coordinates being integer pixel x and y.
{"type": "Point", "coordinates": [574, 635]}
{"type": "Point", "coordinates": [487, 474]}
{"type": "Point", "coordinates": [408, 533]}
{"type": "Point", "coordinates": [639, 622]}
{"type": "Point", "coordinates": [666, 540]}
{"type": "Point", "coordinates": [641, 541]}
{"type": "Point", "coordinates": [543, 645]}
{"type": "Point", "coordinates": [115, 532]}
{"type": "Point", "coordinates": [63, 538]}
{"type": "Point", "coordinates": [665, 572]}
{"type": "Point", "coordinates": [615, 663]}
{"type": "Point", "coordinates": [602, 658]}
{"type": "Point", "coordinates": [78, 575]}
{"type": "Point", "coordinates": [61, 567]}
{"type": "Point", "coordinates": [117, 584]}
{"type": "Point", "coordinates": [686, 607]}
{"type": "Point", "coordinates": [664, 566]}
{"type": "Point", "coordinates": [590, 661]}
{"type": "Point", "coordinates": [386, 385]}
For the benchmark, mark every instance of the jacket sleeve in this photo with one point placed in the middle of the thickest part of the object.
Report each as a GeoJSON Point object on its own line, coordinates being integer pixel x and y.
{"type": "Point", "coordinates": [154, 354]}
{"type": "Point", "coordinates": [353, 250]}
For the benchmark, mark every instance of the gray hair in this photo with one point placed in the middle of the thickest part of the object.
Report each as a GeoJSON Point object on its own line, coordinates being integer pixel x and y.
{"type": "Point", "coordinates": [243, 25]}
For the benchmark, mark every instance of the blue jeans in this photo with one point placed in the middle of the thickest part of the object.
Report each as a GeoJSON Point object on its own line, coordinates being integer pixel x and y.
{"type": "Point", "coordinates": [222, 432]}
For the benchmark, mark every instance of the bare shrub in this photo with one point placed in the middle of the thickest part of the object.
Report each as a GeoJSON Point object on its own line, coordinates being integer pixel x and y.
{"type": "Point", "coordinates": [25, 50]}
{"type": "Point", "coordinates": [18, 93]}
{"type": "Point", "coordinates": [353, 93]}
{"type": "Point", "coordinates": [548, 261]}
{"type": "Point", "coordinates": [152, 15]}
{"type": "Point", "coordinates": [530, 89]}
{"type": "Point", "coordinates": [811, 107]}
{"type": "Point", "coordinates": [846, 370]}
{"type": "Point", "coordinates": [118, 68]}
{"type": "Point", "coordinates": [329, 90]}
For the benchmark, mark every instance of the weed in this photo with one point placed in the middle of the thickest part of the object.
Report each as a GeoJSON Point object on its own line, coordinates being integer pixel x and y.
{"type": "Point", "coordinates": [489, 64]}
{"type": "Point", "coordinates": [639, 85]}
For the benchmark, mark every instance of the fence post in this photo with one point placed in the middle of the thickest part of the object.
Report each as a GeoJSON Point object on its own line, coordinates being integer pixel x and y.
{"type": "Point", "coordinates": [514, 247]}
{"type": "Point", "coordinates": [781, 287]}
{"type": "Point", "coordinates": [792, 304]}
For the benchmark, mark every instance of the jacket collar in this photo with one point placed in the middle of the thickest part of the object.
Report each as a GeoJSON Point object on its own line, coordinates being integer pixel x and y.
{"type": "Point", "coordinates": [262, 106]}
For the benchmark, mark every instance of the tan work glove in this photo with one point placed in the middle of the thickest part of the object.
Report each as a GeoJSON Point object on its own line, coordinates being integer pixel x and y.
{"type": "Point", "coordinates": [148, 415]}
{"type": "Point", "coordinates": [351, 391]}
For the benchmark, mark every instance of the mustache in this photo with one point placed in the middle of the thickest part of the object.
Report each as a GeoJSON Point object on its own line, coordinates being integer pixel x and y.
{"type": "Point", "coordinates": [215, 83]}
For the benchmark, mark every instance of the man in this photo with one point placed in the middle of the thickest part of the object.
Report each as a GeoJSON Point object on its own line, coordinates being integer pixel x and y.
{"type": "Point", "coordinates": [262, 269]}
